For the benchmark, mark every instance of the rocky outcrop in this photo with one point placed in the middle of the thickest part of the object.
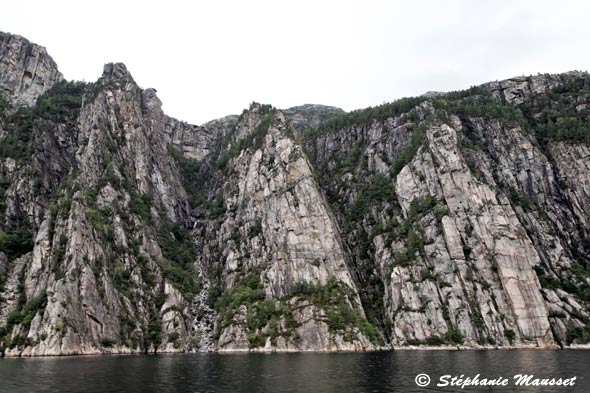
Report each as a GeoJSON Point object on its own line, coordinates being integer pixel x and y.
{"type": "Point", "coordinates": [485, 243]}
{"type": "Point", "coordinates": [520, 89]}
{"type": "Point", "coordinates": [301, 242]}
{"type": "Point", "coordinates": [26, 70]}
{"type": "Point", "coordinates": [479, 245]}
{"type": "Point", "coordinates": [573, 166]}
{"type": "Point", "coordinates": [456, 219]}
{"type": "Point", "coordinates": [279, 227]}
{"type": "Point", "coordinates": [307, 116]}
{"type": "Point", "coordinates": [135, 121]}
{"type": "Point", "coordinates": [198, 142]}
{"type": "Point", "coordinates": [95, 276]}
{"type": "Point", "coordinates": [11, 279]}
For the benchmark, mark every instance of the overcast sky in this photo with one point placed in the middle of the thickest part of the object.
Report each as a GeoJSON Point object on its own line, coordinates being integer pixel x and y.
{"type": "Point", "coordinates": [212, 58]}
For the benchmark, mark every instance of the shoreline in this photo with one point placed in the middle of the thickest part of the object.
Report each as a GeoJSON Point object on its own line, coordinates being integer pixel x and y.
{"type": "Point", "coordinates": [578, 347]}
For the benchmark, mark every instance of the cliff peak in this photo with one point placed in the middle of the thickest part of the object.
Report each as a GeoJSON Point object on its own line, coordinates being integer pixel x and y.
{"type": "Point", "coordinates": [26, 70]}
{"type": "Point", "coordinates": [116, 71]}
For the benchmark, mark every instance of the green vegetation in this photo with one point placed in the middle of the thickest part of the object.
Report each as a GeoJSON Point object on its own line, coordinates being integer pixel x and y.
{"type": "Point", "coordinates": [174, 338]}
{"type": "Point", "coordinates": [562, 113]}
{"type": "Point", "coordinates": [4, 184]}
{"type": "Point", "coordinates": [58, 254]}
{"type": "Point", "coordinates": [575, 283]}
{"type": "Point", "coordinates": [17, 241]}
{"type": "Point", "coordinates": [4, 107]}
{"type": "Point", "coordinates": [520, 199]}
{"type": "Point", "coordinates": [107, 342]}
{"type": "Point", "coordinates": [482, 105]}
{"type": "Point", "coordinates": [454, 336]}
{"type": "Point", "coordinates": [263, 316]}
{"type": "Point", "coordinates": [418, 139]}
{"type": "Point", "coordinates": [61, 103]}
{"type": "Point", "coordinates": [432, 341]}
{"type": "Point", "coordinates": [354, 158]}
{"type": "Point", "coordinates": [423, 205]}
{"type": "Point", "coordinates": [217, 206]}
{"type": "Point", "coordinates": [559, 126]}
{"type": "Point", "coordinates": [410, 229]}
{"type": "Point", "coordinates": [377, 190]}
{"type": "Point", "coordinates": [547, 281]}
{"type": "Point", "coordinates": [261, 312]}
{"type": "Point", "coordinates": [22, 315]}
{"type": "Point", "coordinates": [577, 334]}
{"type": "Point", "coordinates": [19, 135]}
{"type": "Point", "coordinates": [510, 335]}
{"type": "Point", "coordinates": [255, 229]}
{"type": "Point", "coordinates": [414, 244]}
{"type": "Point", "coordinates": [192, 180]}
{"type": "Point", "coordinates": [120, 274]}
{"type": "Point", "coordinates": [140, 206]}
{"type": "Point", "coordinates": [365, 117]}
{"type": "Point", "coordinates": [335, 299]}
{"type": "Point", "coordinates": [152, 333]}
{"type": "Point", "coordinates": [101, 220]}
{"type": "Point", "coordinates": [247, 291]}
{"type": "Point", "coordinates": [440, 211]}
{"type": "Point", "coordinates": [179, 253]}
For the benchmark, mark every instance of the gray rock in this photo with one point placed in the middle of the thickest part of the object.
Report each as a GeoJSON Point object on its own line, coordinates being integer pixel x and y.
{"type": "Point", "coordinates": [26, 70]}
{"type": "Point", "coordinates": [405, 227]}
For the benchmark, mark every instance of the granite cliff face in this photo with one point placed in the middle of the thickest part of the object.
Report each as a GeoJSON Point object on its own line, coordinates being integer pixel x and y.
{"type": "Point", "coordinates": [26, 70]}
{"type": "Point", "coordinates": [450, 219]}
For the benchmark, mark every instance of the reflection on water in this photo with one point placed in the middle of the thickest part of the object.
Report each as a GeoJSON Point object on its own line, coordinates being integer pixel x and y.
{"type": "Point", "coordinates": [305, 372]}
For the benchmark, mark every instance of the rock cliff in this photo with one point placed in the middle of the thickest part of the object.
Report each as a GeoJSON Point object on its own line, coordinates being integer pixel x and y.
{"type": "Point", "coordinates": [449, 219]}
{"type": "Point", "coordinates": [26, 70]}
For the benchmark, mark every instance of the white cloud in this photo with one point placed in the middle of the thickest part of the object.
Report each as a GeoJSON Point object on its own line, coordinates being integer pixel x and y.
{"type": "Point", "coordinates": [210, 59]}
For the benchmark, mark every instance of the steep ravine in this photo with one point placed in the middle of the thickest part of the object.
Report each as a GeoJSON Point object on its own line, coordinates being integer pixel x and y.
{"type": "Point", "coordinates": [457, 220]}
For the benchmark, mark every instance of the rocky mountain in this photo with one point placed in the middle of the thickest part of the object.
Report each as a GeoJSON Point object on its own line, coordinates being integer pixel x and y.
{"type": "Point", "coordinates": [449, 219]}
{"type": "Point", "coordinates": [26, 70]}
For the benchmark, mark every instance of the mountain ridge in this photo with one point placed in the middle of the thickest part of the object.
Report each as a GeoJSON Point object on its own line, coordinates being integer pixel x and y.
{"type": "Point", "coordinates": [457, 220]}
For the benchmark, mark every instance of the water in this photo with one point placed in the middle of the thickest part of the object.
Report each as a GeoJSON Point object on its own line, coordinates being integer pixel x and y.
{"type": "Point", "coordinates": [305, 372]}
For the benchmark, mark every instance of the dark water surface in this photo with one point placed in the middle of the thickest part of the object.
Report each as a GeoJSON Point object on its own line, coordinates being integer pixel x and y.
{"type": "Point", "coordinates": [306, 372]}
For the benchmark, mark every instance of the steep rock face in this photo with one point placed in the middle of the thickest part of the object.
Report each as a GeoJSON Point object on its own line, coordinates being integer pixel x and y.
{"type": "Point", "coordinates": [39, 153]}
{"type": "Point", "coordinates": [479, 241]}
{"type": "Point", "coordinates": [279, 228]}
{"type": "Point", "coordinates": [135, 122]}
{"type": "Point", "coordinates": [95, 277]}
{"type": "Point", "coordinates": [275, 184]}
{"type": "Point", "coordinates": [352, 162]}
{"type": "Point", "coordinates": [533, 183]}
{"type": "Point", "coordinates": [450, 219]}
{"type": "Point", "coordinates": [547, 198]}
{"type": "Point", "coordinates": [573, 165]}
{"type": "Point", "coordinates": [26, 70]}
{"type": "Point", "coordinates": [484, 242]}
{"type": "Point", "coordinates": [198, 142]}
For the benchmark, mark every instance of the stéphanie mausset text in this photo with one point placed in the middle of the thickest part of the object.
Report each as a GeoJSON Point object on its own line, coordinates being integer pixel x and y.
{"type": "Point", "coordinates": [518, 380]}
